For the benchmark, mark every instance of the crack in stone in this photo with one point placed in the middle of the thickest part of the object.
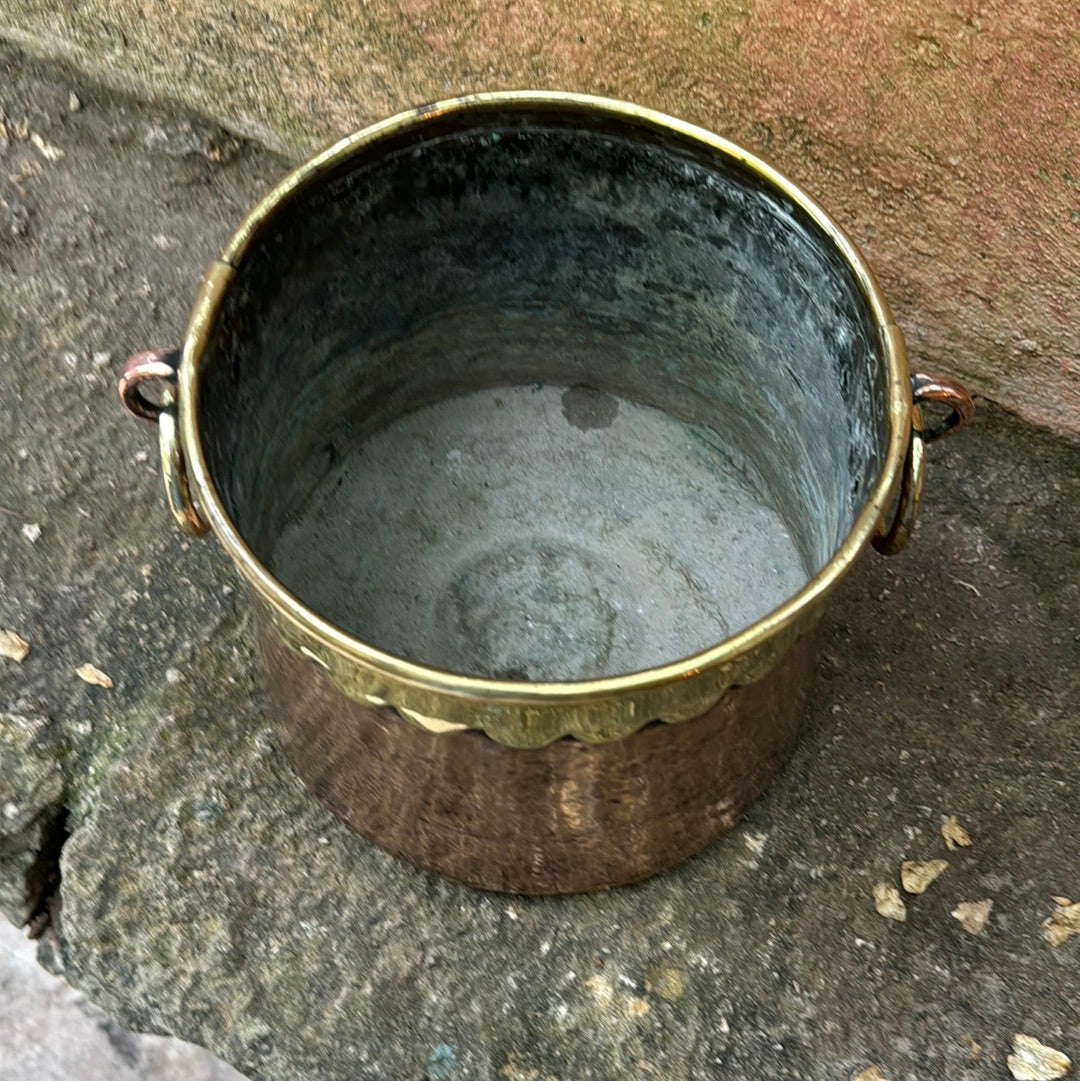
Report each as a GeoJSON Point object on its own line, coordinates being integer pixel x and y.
{"type": "Point", "coordinates": [43, 876]}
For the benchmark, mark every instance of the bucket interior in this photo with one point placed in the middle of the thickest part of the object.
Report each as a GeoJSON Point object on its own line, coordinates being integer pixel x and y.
{"type": "Point", "coordinates": [542, 394]}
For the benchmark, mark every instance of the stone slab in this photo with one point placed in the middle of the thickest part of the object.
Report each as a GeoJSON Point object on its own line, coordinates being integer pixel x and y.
{"type": "Point", "coordinates": [203, 892]}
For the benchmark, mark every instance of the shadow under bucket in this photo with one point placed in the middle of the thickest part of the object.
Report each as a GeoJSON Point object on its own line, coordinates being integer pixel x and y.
{"type": "Point", "coordinates": [542, 427]}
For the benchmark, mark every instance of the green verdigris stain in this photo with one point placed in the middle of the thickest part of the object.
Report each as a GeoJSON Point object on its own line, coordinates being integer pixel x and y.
{"type": "Point", "coordinates": [441, 1063]}
{"type": "Point", "coordinates": [205, 810]}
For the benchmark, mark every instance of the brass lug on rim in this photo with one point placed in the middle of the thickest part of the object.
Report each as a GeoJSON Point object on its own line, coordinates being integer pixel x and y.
{"type": "Point", "coordinates": [158, 367]}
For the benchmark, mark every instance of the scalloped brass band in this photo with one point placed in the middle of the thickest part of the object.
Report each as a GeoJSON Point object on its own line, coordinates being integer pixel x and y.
{"type": "Point", "coordinates": [536, 720]}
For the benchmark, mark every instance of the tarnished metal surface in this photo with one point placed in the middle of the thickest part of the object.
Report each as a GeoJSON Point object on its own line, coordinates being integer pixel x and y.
{"type": "Point", "coordinates": [539, 534]}
{"type": "Point", "coordinates": [925, 389]}
{"type": "Point", "coordinates": [506, 240]}
{"type": "Point", "coordinates": [152, 366]}
{"type": "Point", "coordinates": [556, 819]}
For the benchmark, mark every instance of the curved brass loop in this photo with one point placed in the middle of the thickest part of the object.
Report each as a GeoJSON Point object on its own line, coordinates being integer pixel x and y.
{"type": "Point", "coordinates": [924, 388]}
{"type": "Point", "coordinates": [151, 366]}
{"type": "Point", "coordinates": [939, 388]}
{"type": "Point", "coordinates": [174, 473]}
{"type": "Point", "coordinates": [891, 540]}
{"type": "Point", "coordinates": [160, 366]}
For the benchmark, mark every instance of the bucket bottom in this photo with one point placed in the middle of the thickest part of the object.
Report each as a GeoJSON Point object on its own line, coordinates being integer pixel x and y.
{"type": "Point", "coordinates": [538, 533]}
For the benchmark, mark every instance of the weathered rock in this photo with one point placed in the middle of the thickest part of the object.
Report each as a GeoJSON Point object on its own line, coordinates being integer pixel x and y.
{"type": "Point", "coordinates": [941, 137]}
{"type": "Point", "coordinates": [204, 893]}
{"type": "Point", "coordinates": [79, 284]}
{"type": "Point", "coordinates": [32, 791]}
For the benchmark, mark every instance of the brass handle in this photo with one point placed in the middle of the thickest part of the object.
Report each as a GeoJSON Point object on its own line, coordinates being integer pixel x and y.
{"type": "Point", "coordinates": [924, 388]}
{"type": "Point", "coordinates": [158, 366]}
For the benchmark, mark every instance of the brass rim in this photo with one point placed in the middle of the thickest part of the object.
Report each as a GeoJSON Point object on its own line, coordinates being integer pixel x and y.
{"type": "Point", "coordinates": [532, 714]}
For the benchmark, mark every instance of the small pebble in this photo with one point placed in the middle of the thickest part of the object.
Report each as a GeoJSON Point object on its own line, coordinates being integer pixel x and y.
{"type": "Point", "coordinates": [46, 150]}
{"type": "Point", "coordinates": [31, 531]}
{"type": "Point", "coordinates": [88, 673]}
{"type": "Point", "coordinates": [917, 875]}
{"type": "Point", "coordinates": [1034, 1061]}
{"type": "Point", "coordinates": [973, 915]}
{"type": "Point", "coordinates": [1063, 922]}
{"type": "Point", "coordinates": [13, 647]}
{"type": "Point", "coordinates": [871, 1073]}
{"type": "Point", "coordinates": [888, 902]}
{"type": "Point", "coordinates": [955, 835]}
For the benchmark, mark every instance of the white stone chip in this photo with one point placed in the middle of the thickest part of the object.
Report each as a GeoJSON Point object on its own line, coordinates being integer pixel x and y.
{"type": "Point", "coordinates": [13, 647]}
{"type": "Point", "coordinates": [88, 673]}
{"type": "Point", "coordinates": [46, 150]}
{"type": "Point", "coordinates": [1034, 1061]}
{"type": "Point", "coordinates": [888, 902]}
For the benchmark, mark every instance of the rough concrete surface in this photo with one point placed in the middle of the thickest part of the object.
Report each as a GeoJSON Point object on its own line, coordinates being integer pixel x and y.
{"type": "Point", "coordinates": [203, 893]}
{"type": "Point", "coordinates": [942, 136]}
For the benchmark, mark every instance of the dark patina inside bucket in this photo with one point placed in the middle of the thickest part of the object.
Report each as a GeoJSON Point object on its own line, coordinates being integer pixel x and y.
{"type": "Point", "coordinates": [534, 399]}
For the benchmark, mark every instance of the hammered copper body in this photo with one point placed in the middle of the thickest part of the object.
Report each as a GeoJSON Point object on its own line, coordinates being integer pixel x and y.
{"type": "Point", "coordinates": [562, 818]}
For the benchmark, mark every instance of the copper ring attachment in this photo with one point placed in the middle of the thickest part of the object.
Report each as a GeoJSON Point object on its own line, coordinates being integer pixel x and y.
{"type": "Point", "coordinates": [151, 366]}
{"type": "Point", "coordinates": [937, 388]}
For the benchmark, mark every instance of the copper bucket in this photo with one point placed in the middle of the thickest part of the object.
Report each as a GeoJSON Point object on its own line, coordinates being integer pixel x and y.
{"type": "Point", "coordinates": [541, 426]}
